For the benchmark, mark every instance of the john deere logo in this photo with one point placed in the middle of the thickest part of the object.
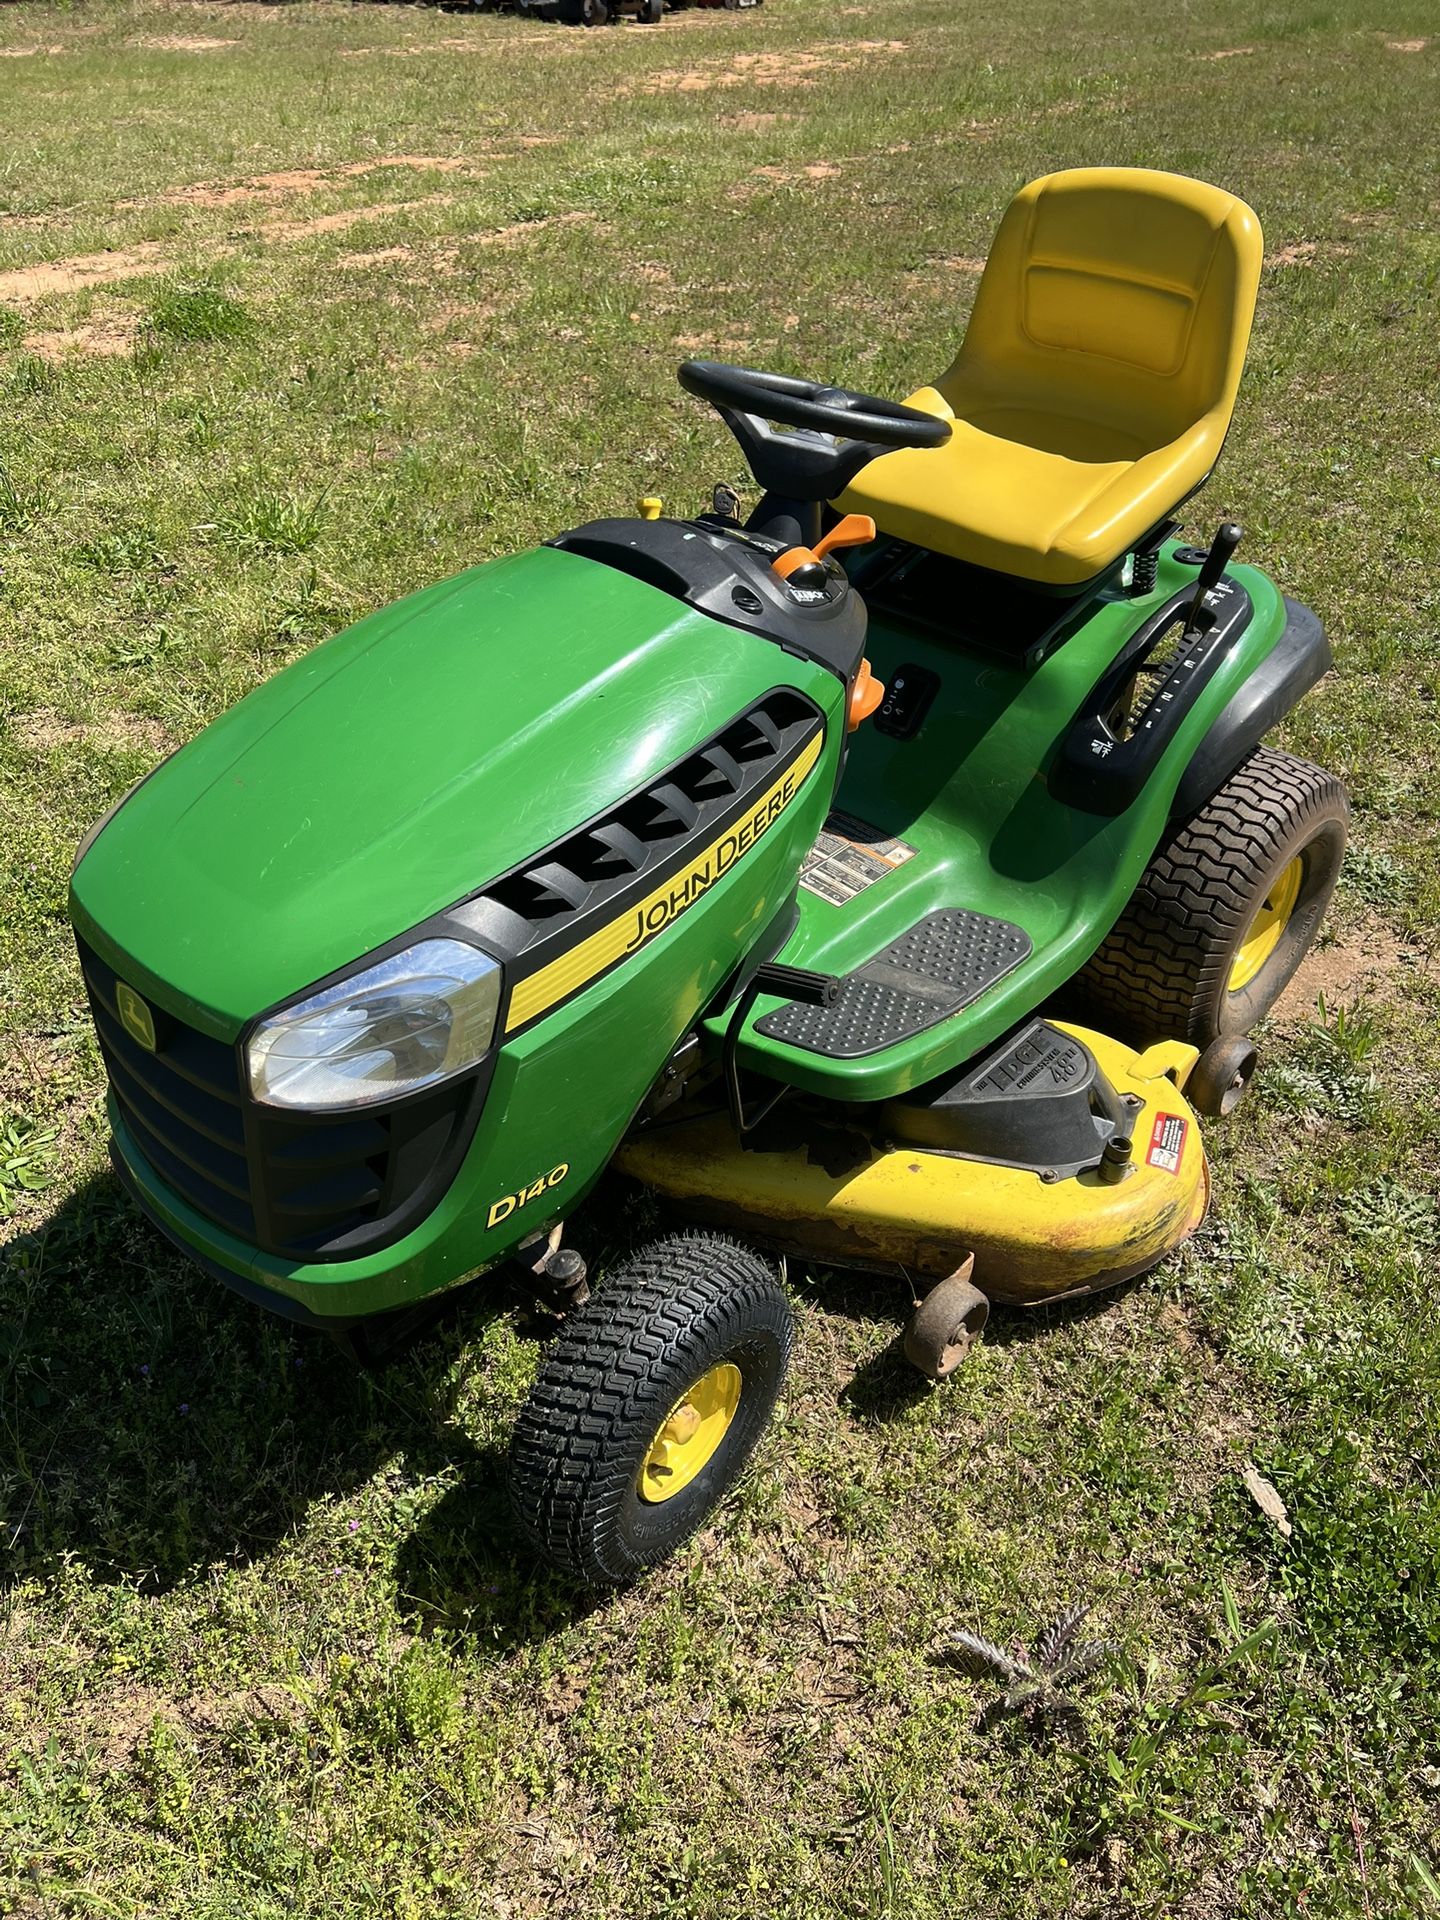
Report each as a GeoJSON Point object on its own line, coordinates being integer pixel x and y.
{"type": "Point", "coordinates": [135, 1016]}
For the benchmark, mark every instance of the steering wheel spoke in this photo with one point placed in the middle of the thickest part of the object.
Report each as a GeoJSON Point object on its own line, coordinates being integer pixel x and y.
{"type": "Point", "coordinates": [799, 465]}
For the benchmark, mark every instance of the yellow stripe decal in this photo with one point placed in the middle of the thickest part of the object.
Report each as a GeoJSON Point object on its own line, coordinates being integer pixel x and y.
{"type": "Point", "coordinates": [639, 924]}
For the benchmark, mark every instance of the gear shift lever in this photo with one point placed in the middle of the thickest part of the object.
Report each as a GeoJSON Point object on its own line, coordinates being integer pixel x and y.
{"type": "Point", "coordinates": [1222, 549]}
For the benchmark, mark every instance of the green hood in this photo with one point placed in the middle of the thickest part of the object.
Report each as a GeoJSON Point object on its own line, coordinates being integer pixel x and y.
{"type": "Point", "coordinates": [399, 767]}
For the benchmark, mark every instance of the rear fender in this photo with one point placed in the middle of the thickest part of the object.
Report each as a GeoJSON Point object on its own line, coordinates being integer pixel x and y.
{"type": "Point", "coordinates": [1299, 658]}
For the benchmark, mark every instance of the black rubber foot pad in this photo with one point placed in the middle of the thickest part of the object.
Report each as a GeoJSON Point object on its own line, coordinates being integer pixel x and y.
{"type": "Point", "coordinates": [943, 963]}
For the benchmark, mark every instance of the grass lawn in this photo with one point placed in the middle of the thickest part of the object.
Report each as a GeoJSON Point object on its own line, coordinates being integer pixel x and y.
{"type": "Point", "coordinates": [304, 306]}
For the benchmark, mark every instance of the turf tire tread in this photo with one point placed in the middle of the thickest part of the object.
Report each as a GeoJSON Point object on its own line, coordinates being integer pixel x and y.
{"type": "Point", "coordinates": [1159, 971]}
{"type": "Point", "coordinates": [570, 1453]}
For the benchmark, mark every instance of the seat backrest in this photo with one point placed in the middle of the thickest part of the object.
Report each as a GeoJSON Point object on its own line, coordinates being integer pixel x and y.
{"type": "Point", "coordinates": [1116, 296]}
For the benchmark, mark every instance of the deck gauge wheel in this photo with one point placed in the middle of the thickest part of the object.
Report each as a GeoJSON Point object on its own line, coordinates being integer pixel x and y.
{"type": "Point", "coordinates": [946, 1324]}
{"type": "Point", "coordinates": [1221, 1076]}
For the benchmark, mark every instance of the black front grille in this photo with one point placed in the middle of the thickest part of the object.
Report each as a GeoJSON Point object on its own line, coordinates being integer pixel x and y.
{"type": "Point", "coordinates": [181, 1104]}
{"type": "Point", "coordinates": [308, 1186]}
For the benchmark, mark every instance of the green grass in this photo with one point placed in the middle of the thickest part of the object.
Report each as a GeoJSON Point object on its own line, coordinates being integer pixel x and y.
{"type": "Point", "coordinates": [198, 313]}
{"type": "Point", "coordinates": [266, 1645]}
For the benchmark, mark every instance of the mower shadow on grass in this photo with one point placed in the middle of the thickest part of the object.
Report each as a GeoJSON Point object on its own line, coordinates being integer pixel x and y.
{"type": "Point", "coordinates": [155, 1425]}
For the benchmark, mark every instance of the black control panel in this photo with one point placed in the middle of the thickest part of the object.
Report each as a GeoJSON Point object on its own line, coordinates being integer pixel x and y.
{"type": "Point", "coordinates": [727, 572]}
{"type": "Point", "coordinates": [908, 694]}
{"type": "Point", "coordinates": [1133, 713]}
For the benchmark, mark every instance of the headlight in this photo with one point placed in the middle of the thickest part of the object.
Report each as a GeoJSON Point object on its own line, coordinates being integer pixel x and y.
{"type": "Point", "coordinates": [419, 1017]}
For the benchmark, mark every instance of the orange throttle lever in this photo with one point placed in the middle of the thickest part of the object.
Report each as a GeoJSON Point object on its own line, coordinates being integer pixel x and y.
{"type": "Point", "coordinates": [855, 530]}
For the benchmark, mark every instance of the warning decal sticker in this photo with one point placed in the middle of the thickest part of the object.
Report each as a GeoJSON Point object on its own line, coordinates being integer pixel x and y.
{"type": "Point", "coordinates": [1167, 1142]}
{"type": "Point", "coordinates": [850, 856]}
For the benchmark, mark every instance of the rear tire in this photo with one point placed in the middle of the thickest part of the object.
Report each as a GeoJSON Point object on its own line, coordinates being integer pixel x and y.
{"type": "Point", "coordinates": [1270, 842]}
{"type": "Point", "coordinates": [684, 1311]}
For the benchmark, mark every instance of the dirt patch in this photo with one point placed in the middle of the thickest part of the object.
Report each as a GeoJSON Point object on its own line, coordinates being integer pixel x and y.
{"type": "Point", "coordinates": [27, 53]}
{"type": "Point", "coordinates": [417, 162]}
{"type": "Point", "coordinates": [292, 182]}
{"type": "Point", "coordinates": [461, 312]}
{"type": "Point", "coordinates": [382, 257]}
{"type": "Point", "coordinates": [1407, 46]}
{"type": "Point", "coordinates": [100, 338]}
{"type": "Point", "coordinates": [752, 122]}
{"type": "Point", "coordinates": [1367, 961]}
{"type": "Point", "coordinates": [1308, 253]}
{"type": "Point", "coordinates": [118, 1723]}
{"type": "Point", "coordinates": [791, 176]}
{"type": "Point", "coordinates": [523, 229]}
{"type": "Point", "coordinates": [218, 1713]}
{"type": "Point", "coordinates": [43, 729]}
{"type": "Point", "coordinates": [1227, 53]}
{"type": "Point", "coordinates": [802, 68]}
{"type": "Point", "coordinates": [341, 222]}
{"type": "Point", "coordinates": [25, 285]}
{"type": "Point", "coordinates": [1173, 1320]}
{"type": "Point", "coordinates": [733, 346]}
{"type": "Point", "coordinates": [180, 43]}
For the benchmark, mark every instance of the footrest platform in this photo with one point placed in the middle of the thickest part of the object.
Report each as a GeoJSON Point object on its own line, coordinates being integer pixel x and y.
{"type": "Point", "coordinates": [943, 963]}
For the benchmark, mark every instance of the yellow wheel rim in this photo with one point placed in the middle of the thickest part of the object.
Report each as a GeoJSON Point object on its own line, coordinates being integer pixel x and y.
{"type": "Point", "coordinates": [690, 1433]}
{"type": "Point", "coordinates": [1262, 936]}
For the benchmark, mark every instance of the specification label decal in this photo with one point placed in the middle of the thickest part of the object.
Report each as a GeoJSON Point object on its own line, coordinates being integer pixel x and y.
{"type": "Point", "coordinates": [848, 857]}
{"type": "Point", "coordinates": [1167, 1142]}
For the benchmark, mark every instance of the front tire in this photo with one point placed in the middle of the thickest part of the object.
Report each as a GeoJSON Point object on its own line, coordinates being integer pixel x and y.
{"type": "Point", "coordinates": [648, 1406]}
{"type": "Point", "coordinates": [1227, 908]}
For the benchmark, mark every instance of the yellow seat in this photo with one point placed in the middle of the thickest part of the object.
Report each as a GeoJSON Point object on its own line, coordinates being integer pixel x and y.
{"type": "Point", "coordinates": [1095, 383]}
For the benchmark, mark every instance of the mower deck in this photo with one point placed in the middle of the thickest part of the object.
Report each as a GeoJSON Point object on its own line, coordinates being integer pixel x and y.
{"type": "Point", "coordinates": [820, 1184]}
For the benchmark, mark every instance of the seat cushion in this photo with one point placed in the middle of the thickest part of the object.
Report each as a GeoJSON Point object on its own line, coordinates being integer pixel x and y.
{"type": "Point", "coordinates": [1050, 499]}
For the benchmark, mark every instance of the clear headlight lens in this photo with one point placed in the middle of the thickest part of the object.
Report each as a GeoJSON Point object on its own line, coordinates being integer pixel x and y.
{"type": "Point", "coordinates": [412, 1020]}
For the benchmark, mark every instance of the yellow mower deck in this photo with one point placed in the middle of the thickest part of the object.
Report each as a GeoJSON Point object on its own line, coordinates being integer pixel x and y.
{"type": "Point", "coordinates": [898, 1206]}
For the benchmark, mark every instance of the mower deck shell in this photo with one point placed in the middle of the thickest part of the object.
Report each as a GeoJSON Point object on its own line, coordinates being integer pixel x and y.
{"type": "Point", "coordinates": [830, 1192]}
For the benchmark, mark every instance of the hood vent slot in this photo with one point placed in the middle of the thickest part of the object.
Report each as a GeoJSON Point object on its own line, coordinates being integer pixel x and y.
{"type": "Point", "coordinates": [630, 849]}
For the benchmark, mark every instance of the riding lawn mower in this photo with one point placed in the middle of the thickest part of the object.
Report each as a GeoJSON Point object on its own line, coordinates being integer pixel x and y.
{"type": "Point", "coordinates": [887, 880]}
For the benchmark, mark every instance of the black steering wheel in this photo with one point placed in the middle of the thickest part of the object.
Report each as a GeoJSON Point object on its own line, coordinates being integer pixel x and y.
{"type": "Point", "coordinates": [808, 404]}
{"type": "Point", "coordinates": [836, 432]}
